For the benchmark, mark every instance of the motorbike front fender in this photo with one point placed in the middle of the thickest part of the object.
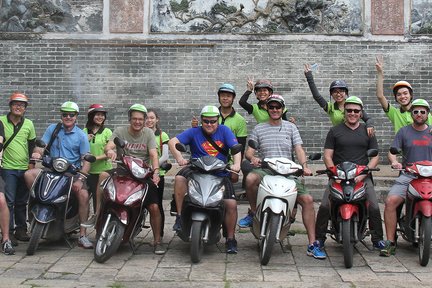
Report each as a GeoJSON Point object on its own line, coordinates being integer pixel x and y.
{"type": "Point", "coordinates": [121, 214]}
{"type": "Point", "coordinates": [424, 207]}
{"type": "Point", "coordinates": [43, 214]}
{"type": "Point", "coordinates": [277, 206]}
{"type": "Point", "coordinates": [347, 210]}
{"type": "Point", "coordinates": [199, 216]}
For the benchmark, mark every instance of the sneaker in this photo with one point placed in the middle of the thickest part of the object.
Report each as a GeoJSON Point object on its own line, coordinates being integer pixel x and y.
{"type": "Point", "coordinates": [247, 221]}
{"type": "Point", "coordinates": [178, 224]}
{"type": "Point", "coordinates": [13, 239]}
{"type": "Point", "coordinates": [231, 246]}
{"type": "Point", "coordinates": [389, 249]}
{"type": "Point", "coordinates": [85, 243]}
{"type": "Point", "coordinates": [7, 248]}
{"type": "Point", "coordinates": [21, 234]}
{"type": "Point", "coordinates": [378, 245]}
{"type": "Point", "coordinates": [315, 251]}
{"type": "Point", "coordinates": [159, 249]}
{"type": "Point", "coordinates": [90, 222]}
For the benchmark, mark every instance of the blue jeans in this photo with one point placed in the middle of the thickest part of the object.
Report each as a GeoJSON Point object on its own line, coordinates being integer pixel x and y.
{"type": "Point", "coordinates": [17, 195]}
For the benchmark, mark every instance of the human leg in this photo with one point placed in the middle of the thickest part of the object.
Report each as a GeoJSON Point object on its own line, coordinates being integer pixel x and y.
{"type": "Point", "coordinates": [160, 190]}
{"type": "Point", "coordinates": [375, 221]}
{"type": "Point", "coordinates": [252, 182]}
{"type": "Point", "coordinates": [323, 217]}
{"type": "Point", "coordinates": [6, 243]}
{"type": "Point", "coordinates": [21, 200]}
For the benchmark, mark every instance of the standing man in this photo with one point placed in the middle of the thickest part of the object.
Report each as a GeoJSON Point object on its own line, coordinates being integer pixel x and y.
{"type": "Point", "coordinates": [71, 143]}
{"type": "Point", "coordinates": [200, 146]}
{"type": "Point", "coordinates": [349, 141]}
{"type": "Point", "coordinates": [141, 143]}
{"type": "Point", "coordinates": [19, 142]}
{"type": "Point", "coordinates": [415, 141]}
{"type": "Point", "coordinates": [278, 138]}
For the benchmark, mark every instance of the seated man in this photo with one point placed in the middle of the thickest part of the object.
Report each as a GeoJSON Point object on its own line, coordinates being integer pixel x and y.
{"type": "Point", "coordinates": [200, 146]}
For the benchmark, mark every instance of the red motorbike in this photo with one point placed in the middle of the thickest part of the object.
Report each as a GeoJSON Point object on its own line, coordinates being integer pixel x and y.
{"type": "Point", "coordinates": [122, 214]}
{"type": "Point", "coordinates": [348, 205]}
{"type": "Point", "coordinates": [415, 221]}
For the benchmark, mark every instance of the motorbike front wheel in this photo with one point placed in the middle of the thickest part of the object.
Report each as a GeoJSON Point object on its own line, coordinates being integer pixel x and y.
{"type": "Point", "coordinates": [197, 245]}
{"type": "Point", "coordinates": [108, 245]}
{"type": "Point", "coordinates": [267, 243]}
{"type": "Point", "coordinates": [36, 235]}
{"type": "Point", "coordinates": [424, 240]}
{"type": "Point", "coordinates": [348, 246]}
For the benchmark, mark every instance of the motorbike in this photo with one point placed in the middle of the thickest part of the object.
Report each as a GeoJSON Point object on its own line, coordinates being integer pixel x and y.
{"type": "Point", "coordinates": [122, 213]}
{"type": "Point", "coordinates": [415, 222]}
{"type": "Point", "coordinates": [203, 206]}
{"type": "Point", "coordinates": [348, 205]}
{"type": "Point", "coordinates": [276, 200]}
{"type": "Point", "coordinates": [53, 209]}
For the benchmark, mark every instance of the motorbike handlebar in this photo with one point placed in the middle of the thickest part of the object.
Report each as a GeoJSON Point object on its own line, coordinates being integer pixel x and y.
{"type": "Point", "coordinates": [320, 172]}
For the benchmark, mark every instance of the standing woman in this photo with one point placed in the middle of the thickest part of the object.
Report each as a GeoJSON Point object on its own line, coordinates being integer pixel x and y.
{"type": "Point", "coordinates": [162, 138]}
{"type": "Point", "coordinates": [98, 136]}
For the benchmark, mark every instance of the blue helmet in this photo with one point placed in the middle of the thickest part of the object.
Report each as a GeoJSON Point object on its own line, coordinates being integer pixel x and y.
{"type": "Point", "coordinates": [226, 87]}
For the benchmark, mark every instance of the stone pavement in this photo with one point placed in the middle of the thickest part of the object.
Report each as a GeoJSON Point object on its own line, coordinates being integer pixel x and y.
{"type": "Point", "coordinates": [56, 265]}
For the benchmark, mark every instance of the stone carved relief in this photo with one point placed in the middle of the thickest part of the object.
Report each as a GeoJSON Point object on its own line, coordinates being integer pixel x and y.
{"type": "Point", "coordinates": [421, 17]}
{"type": "Point", "coordinates": [42, 16]}
{"type": "Point", "coordinates": [387, 17]}
{"type": "Point", "coordinates": [126, 16]}
{"type": "Point", "coordinates": [257, 16]}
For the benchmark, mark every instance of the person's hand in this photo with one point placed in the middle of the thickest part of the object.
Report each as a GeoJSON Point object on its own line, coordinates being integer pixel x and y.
{"type": "Point", "coordinates": [370, 131]}
{"type": "Point", "coordinates": [235, 167]}
{"type": "Point", "coordinates": [156, 178]}
{"type": "Point", "coordinates": [194, 122]}
{"type": "Point", "coordinates": [307, 68]}
{"type": "Point", "coordinates": [182, 162]}
{"type": "Point", "coordinates": [292, 120]}
{"type": "Point", "coordinates": [307, 171]}
{"type": "Point", "coordinates": [250, 84]}
{"type": "Point", "coordinates": [77, 185]}
{"type": "Point", "coordinates": [90, 136]}
{"type": "Point", "coordinates": [359, 178]}
{"type": "Point", "coordinates": [111, 154]}
{"type": "Point", "coordinates": [379, 64]}
{"type": "Point", "coordinates": [36, 155]}
{"type": "Point", "coordinates": [256, 162]}
{"type": "Point", "coordinates": [396, 165]}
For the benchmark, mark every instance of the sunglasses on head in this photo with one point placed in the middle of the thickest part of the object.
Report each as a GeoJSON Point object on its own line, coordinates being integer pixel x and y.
{"type": "Point", "coordinates": [71, 115]}
{"type": "Point", "coordinates": [415, 112]}
{"type": "Point", "coordinates": [209, 121]}
{"type": "Point", "coordinates": [274, 107]}
{"type": "Point", "coordinates": [356, 111]}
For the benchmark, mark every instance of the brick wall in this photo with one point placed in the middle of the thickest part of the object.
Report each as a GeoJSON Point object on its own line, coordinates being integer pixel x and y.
{"type": "Point", "coordinates": [179, 77]}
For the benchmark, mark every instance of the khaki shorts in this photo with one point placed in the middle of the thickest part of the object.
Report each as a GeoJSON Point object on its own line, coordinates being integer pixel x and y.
{"type": "Point", "coordinates": [301, 189]}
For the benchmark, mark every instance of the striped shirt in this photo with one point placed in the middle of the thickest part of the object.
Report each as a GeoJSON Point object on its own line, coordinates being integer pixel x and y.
{"type": "Point", "coordinates": [276, 141]}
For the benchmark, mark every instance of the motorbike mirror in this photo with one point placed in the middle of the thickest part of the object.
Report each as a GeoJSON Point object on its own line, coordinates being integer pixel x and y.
{"type": "Point", "coordinates": [119, 142]}
{"type": "Point", "coordinates": [372, 152]}
{"type": "Point", "coordinates": [180, 147]}
{"type": "Point", "coordinates": [166, 166]}
{"type": "Point", "coordinates": [315, 156]}
{"type": "Point", "coordinates": [40, 143]}
{"type": "Point", "coordinates": [395, 151]}
{"type": "Point", "coordinates": [90, 158]}
{"type": "Point", "coordinates": [236, 149]}
{"type": "Point", "coordinates": [253, 144]}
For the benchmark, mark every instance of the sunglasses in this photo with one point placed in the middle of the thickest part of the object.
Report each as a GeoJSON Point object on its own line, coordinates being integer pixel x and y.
{"type": "Point", "coordinates": [18, 104]}
{"type": "Point", "coordinates": [209, 121]}
{"type": "Point", "coordinates": [415, 112]}
{"type": "Point", "coordinates": [71, 115]}
{"type": "Point", "coordinates": [274, 107]}
{"type": "Point", "coordinates": [356, 111]}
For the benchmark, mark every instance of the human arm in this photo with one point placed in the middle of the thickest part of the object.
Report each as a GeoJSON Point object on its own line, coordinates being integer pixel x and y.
{"type": "Point", "coordinates": [369, 124]}
{"type": "Point", "coordinates": [328, 158]}
{"type": "Point", "coordinates": [109, 150]}
{"type": "Point", "coordinates": [242, 141]}
{"type": "Point", "coordinates": [395, 164]}
{"type": "Point", "coordinates": [301, 157]}
{"type": "Point", "coordinates": [154, 159]}
{"type": "Point", "coordinates": [164, 153]}
{"type": "Point", "coordinates": [250, 155]}
{"type": "Point", "coordinates": [177, 154]}
{"type": "Point", "coordinates": [379, 65]}
{"type": "Point", "coordinates": [243, 101]}
{"type": "Point", "coordinates": [315, 93]}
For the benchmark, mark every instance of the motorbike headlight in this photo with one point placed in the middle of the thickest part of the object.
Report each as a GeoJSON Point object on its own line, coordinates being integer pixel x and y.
{"type": "Point", "coordinates": [341, 174]}
{"type": "Point", "coordinates": [138, 171]}
{"type": "Point", "coordinates": [351, 174]}
{"type": "Point", "coordinates": [134, 197]}
{"type": "Point", "coordinates": [111, 189]}
{"type": "Point", "coordinates": [336, 194]}
{"type": "Point", "coordinates": [359, 194]}
{"type": "Point", "coordinates": [60, 199]}
{"type": "Point", "coordinates": [60, 165]}
{"type": "Point", "coordinates": [425, 171]}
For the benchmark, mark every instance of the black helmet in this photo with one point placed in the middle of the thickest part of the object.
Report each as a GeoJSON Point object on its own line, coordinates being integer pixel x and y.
{"type": "Point", "coordinates": [341, 84]}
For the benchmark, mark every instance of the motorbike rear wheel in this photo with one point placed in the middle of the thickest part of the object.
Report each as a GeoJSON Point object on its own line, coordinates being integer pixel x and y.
{"type": "Point", "coordinates": [108, 245]}
{"type": "Point", "coordinates": [424, 240]}
{"type": "Point", "coordinates": [267, 243]}
{"type": "Point", "coordinates": [348, 246]}
{"type": "Point", "coordinates": [197, 245]}
{"type": "Point", "coordinates": [35, 237]}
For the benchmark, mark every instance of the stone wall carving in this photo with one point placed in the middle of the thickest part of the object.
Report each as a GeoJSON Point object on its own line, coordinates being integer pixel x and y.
{"type": "Point", "coordinates": [421, 17]}
{"type": "Point", "coordinates": [126, 16]}
{"type": "Point", "coordinates": [258, 16]}
{"type": "Point", "coordinates": [40, 16]}
{"type": "Point", "coordinates": [387, 17]}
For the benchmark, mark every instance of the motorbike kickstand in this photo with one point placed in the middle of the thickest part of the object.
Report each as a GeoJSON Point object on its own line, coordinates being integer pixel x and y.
{"type": "Point", "coordinates": [286, 248]}
{"type": "Point", "coordinates": [133, 246]}
{"type": "Point", "coordinates": [69, 241]}
{"type": "Point", "coordinates": [366, 245]}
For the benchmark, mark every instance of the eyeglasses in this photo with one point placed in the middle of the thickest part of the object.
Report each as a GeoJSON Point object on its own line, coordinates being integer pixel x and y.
{"type": "Point", "coordinates": [273, 107]}
{"type": "Point", "coordinates": [338, 91]}
{"type": "Point", "coordinates": [356, 111]}
{"type": "Point", "coordinates": [71, 115]}
{"type": "Point", "coordinates": [18, 104]}
{"type": "Point", "coordinates": [209, 121]}
{"type": "Point", "coordinates": [415, 112]}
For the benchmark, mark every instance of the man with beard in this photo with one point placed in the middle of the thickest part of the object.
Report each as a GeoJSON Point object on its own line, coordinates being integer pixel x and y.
{"type": "Point", "coordinates": [415, 141]}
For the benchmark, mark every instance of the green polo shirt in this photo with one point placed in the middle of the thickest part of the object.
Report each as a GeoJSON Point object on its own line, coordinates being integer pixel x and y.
{"type": "Point", "coordinates": [336, 115]}
{"type": "Point", "coordinates": [236, 123]}
{"type": "Point", "coordinates": [16, 155]}
{"type": "Point", "coordinates": [400, 118]}
{"type": "Point", "coordinates": [161, 138]}
{"type": "Point", "coordinates": [97, 145]}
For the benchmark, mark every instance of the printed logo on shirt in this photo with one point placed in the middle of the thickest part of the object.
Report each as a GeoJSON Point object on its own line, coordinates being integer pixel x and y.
{"type": "Point", "coordinates": [426, 141]}
{"type": "Point", "coordinates": [210, 149]}
{"type": "Point", "coordinates": [136, 147]}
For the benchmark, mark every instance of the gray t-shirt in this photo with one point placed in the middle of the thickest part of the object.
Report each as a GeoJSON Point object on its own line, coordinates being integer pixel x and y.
{"type": "Point", "coordinates": [415, 145]}
{"type": "Point", "coordinates": [276, 141]}
{"type": "Point", "coordinates": [137, 146]}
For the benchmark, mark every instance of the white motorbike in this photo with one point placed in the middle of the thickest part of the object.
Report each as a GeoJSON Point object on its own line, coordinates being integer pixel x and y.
{"type": "Point", "coordinates": [276, 198]}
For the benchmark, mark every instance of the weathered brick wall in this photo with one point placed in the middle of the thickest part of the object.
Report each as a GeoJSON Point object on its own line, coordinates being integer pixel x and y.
{"type": "Point", "coordinates": [178, 78]}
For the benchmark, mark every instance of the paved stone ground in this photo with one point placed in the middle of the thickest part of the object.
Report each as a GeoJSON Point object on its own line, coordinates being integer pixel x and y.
{"type": "Point", "coordinates": [56, 265]}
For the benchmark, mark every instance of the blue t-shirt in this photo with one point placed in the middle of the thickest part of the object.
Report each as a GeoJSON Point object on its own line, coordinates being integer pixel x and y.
{"type": "Point", "coordinates": [70, 145]}
{"type": "Point", "coordinates": [415, 145]}
{"type": "Point", "coordinates": [199, 146]}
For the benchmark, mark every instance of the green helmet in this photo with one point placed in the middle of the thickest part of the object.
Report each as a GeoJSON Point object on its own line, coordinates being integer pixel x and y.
{"type": "Point", "coordinates": [137, 107]}
{"type": "Point", "coordinates": [210, 111]}
{"type": "Point", "coordinates": [354, 100]}
{"type": "Point", "coordinates": [69, 106]}
{"type": "Point", "coordinates": [420, 102]}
